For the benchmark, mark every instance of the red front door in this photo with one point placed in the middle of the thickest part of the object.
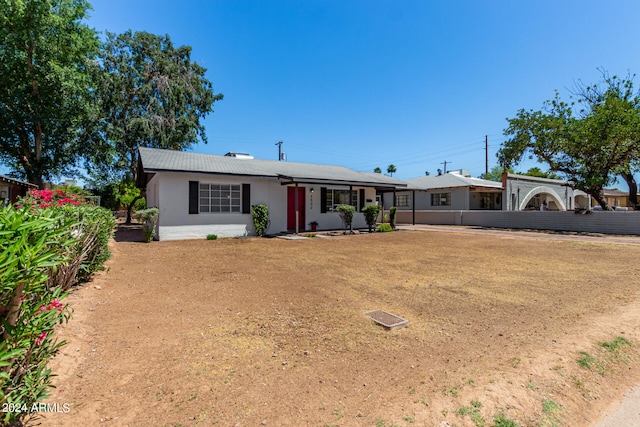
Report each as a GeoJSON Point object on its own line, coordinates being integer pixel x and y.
{"type": "Point", "coordinates": [291, 208]}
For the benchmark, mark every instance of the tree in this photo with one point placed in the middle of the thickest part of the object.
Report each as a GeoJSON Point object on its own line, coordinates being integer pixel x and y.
{"type": "Point", "coordinates": [391, 169]}
{"type": "Point", "coordinates": [495, 174]}
{"type": "Point", "coordinates": [377, 170]}
{"type": "Point", "coordinates": [589, 147]}
{"type": "Point", "coordinates": [45, 55]}
{"type": "Point", "coordinates": [537, 172]}
{"type": "Point", "coordinates": [151, 94]}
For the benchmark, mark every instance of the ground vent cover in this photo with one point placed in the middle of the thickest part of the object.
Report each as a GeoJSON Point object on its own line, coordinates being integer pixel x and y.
{"type": "Point", "coordinates": [386, 319]}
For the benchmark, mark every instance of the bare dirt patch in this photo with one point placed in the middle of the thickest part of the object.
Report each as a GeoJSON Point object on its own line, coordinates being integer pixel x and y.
{"type": "Point", "coordinates": [272, 332]}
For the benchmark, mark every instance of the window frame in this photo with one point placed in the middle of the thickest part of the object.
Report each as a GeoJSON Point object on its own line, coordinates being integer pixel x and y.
{"type": "Point", "coordinates": [441, 199]}
{"type": "Point", "coordinates": [216, 198]}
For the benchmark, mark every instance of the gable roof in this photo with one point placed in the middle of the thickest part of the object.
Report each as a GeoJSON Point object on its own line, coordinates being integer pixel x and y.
{"type": "Point", "coordinates": [152, 160]}
{"type": "Point", "coordinates": [450, 180]}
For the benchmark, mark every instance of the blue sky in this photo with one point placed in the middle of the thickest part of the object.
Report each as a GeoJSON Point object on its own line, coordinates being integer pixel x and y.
{"type": "Point", "coordinates": [370, 83]}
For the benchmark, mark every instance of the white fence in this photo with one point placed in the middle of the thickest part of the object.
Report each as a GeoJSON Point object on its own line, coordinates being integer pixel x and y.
{"type": "Point", "coordinates": [615, 222]}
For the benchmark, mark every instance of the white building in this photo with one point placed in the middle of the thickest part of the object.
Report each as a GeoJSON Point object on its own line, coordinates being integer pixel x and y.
{"type": "Point", "coordinates": [201, 194]}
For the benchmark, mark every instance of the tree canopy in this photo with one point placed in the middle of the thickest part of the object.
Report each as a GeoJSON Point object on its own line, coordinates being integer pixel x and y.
{"type": "Point", "coordinates": [45, 53]}
{"type": "Point", "coordinates": [589, 146]}
{"type": "Point", "coordinates": [151, 94]}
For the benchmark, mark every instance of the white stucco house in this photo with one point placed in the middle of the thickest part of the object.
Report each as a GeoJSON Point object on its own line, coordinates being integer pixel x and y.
{"type": "Point", "coordinates": [201, 194]}
{"type": "Point", "coordinates": [455, 190]}
{"type": "Point", "coordinates": [523, 192]}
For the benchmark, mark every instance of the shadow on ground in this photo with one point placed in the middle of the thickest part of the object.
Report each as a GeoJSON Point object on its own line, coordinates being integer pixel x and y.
{"type": "Point", "coordinates": [128, 233]}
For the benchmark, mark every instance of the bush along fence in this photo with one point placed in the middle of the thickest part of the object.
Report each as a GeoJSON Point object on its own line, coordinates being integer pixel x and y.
{"type": "Point", "coordinates": [48, 242]}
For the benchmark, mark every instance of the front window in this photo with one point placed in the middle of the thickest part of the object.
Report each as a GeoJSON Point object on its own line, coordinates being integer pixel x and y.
{"type": "Point", "coordinates": [402, 200]}
{"type": "Point", "coordinates": [219, 198]}
{"type": "Point", "coordinates": [336, 198]}
{"type": "Point", "coordinates": [440, 199]}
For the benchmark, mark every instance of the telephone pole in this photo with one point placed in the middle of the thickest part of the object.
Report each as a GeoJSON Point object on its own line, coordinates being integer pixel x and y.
{"type": "Point", "coordinates": [445, 165]}
{"type": "Point", "coordinates": [279, 144]}
{"type": "Point", "coordinates": [486, 156]}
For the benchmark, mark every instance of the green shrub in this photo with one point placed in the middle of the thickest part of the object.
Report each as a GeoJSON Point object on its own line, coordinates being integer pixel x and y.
{"type": "Point", "coordinates": [212, 236]}
{"type": "Point", "coordinates": [384, 227]}
{"type": "Point", "coordinates": [260, 216]}
{"type": "Point", "coordinates": [32, 242]}
{"type": "Point", "coordinates": [346, 213]}
{"type": "Point", "coordinates": [392, 216]}
{"type": "Point", "coordinates": [149, 219]}
{"type": "Point", "coordinates": [371, 215]}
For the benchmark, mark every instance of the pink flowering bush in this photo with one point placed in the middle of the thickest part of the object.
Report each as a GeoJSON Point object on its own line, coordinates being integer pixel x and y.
{"type": "Point", "coordinates": [48, 198]}
{"type": "Point", "coordinates": [32, 243]}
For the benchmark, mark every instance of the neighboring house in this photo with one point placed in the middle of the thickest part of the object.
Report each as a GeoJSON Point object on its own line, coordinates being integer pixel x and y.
{"type": "Point", "coordinates": [11, 189]}
{"type": "Point", "coordinates": [455, 190]}
{"type": "Point", "coordinates": [524, 192]}
{"type": "Point", "coordinates": [615, 198]}
{"type": "Point", "coordinates": [201, 194]}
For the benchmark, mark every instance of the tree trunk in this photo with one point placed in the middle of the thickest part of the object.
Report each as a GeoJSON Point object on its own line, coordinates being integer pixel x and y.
{"type": "Point", "coordinates": [633, 190]}
{"type": "Point", "coordinates": [130, 208]}
{"type": "Point", "coordinates": [602, 201]}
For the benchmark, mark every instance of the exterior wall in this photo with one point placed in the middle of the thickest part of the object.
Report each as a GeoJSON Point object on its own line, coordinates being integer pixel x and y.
{"type": "Point", "coordinates": [459, 199]}
{"type": "Point", "coordinates": [519, 192]}
{"type": "Point", "coordinates": [169, 192]}
{"type": "Point", "coordinates": [618, 222]}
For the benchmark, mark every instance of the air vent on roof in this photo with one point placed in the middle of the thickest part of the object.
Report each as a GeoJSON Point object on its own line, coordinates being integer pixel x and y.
{"type": "Point", "coordinates": [463, 172]}
{"type": "Point", "coordinates": [239, 155]}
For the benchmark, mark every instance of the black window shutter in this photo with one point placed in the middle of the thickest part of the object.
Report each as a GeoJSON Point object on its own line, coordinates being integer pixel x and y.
{"type": "Point", "coordinates": [323, 199]}
{"type": "Point", "coordinates": [246, 198]}
{"type": "Point", "coordinates": [194, 187]}
{"type": "Point", "coordinates": [361, 199]}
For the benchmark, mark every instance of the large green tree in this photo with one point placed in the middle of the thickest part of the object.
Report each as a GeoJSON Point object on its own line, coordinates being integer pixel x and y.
{"type": "Point", "coordinates": [588, 142]}
{"type": "Point", "coordinates": [151, 94]}
{"type": "Point", "coordinates": [45, 53]}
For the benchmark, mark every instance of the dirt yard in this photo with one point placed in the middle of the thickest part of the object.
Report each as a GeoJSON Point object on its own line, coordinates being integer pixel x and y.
{"type": "Point", "coordinates": [253, 332]}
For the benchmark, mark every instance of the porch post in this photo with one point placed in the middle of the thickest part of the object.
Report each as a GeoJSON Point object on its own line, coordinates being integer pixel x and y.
{"type": "Point", "coordinates": [297, 210]}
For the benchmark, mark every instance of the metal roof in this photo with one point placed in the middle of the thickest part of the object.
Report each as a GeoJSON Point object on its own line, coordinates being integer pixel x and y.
{"type": "Point", "coordinates": [154, 160]}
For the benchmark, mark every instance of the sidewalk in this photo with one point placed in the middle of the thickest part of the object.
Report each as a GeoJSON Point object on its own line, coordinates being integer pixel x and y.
{"type": "Point", "coordinates": [526, 234]}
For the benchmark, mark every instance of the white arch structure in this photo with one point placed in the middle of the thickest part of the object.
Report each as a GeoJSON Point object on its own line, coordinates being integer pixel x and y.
{"type": "Point", "coordinates": [546, 190]}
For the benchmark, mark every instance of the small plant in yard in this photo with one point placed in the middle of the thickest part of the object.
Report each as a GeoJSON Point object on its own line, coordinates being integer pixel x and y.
{"type": "Point", "coordinates": [473, 411]}
{"type": "Point", "coordinates": [501, 420]}
{"type": "Point", "coordinates": [371, 215]}
{"type": "Point", "coordinates": [586, 361]}
{"type": "Point", "coordinates": [616, 344]}
{"type": "Point", "coordinates": [392, 216]}
{"type": "Point", "coordinates": [384, 228]}
{"type": "Point", "coordinates": [212, 236]}
{"type": "Point", "coordinates": [550, 410]}
{"type": "Point", "coordinates": [260, 217]}
{"type": "Point", "coordinates": [346, 213]}
{"type": "Point", "coordinates": [149, 219]}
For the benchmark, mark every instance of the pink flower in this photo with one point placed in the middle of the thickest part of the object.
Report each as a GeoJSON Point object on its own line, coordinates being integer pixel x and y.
{"type": "Point", "coordinates": [40, 338]}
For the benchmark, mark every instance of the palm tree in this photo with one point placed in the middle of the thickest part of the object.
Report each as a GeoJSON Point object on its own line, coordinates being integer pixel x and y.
{"type": "Point", "coordinates": [391, 169]}
{"type": "Point", "coordinates": [377, 170]}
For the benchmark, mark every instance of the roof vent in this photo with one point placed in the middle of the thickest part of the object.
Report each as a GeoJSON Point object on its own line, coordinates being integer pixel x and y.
{"type": "Point", "coordinates": [462, 172]}
{"type": "Point", "coordinates": [239, 155]}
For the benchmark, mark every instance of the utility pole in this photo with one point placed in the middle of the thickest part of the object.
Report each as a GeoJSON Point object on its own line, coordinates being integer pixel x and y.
{"type": "Point", "coordinates": [279, 144]}
{"type": "Point", "coordinates": [445, 165]}
{"type": "Point", "coordinates": [486, 156]}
